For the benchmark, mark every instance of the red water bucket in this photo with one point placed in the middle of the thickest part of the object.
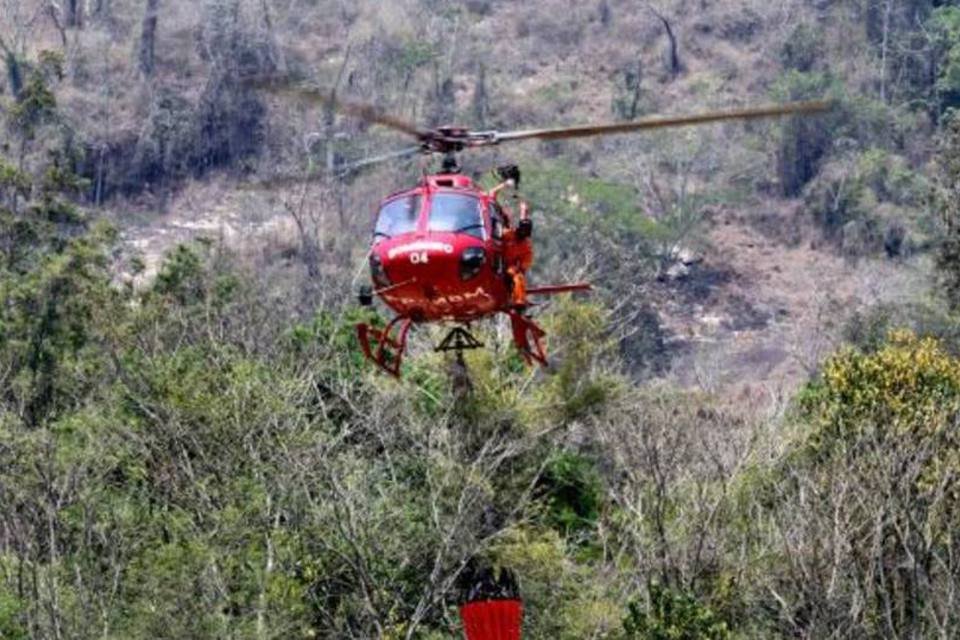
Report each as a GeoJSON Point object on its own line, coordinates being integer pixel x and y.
{"type": "Point", "coordinates": [492, 619]}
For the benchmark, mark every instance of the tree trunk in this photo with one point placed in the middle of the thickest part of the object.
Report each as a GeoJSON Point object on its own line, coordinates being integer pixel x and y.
{"type": "Point", "coordinates": [148, 35]}
{"type": "Point", "coordinates": [278, 61]}
{"type": "Point", "coordinates": [883, 50]}
{"type": "Point", "coordinates": [101, 10]}
{"type": "Point", "coordinates": [480, 98]}
{"type": "Point", "coordinates": [606, 16]}
{"type": "Point", "coordinates": [444, 97]}
{"type": "Point", "coordinates": [53, 10]}
{"type": "Point", "coordinates": [14, 73]}
{"type": "Point", "coordinates": [74, 10]}
{"type": "Point", "coordinates": [673, 52]}
{"type": "Point", "coordinates": [637, 89]}
{"type": "Point", "coordinates": [674, 67]}
{"type": "Point", "coordinates": [330, 116]}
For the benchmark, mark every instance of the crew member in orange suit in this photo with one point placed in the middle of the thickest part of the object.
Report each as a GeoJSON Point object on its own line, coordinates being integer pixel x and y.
{"type": "Point", "coordinates": [518, 254]}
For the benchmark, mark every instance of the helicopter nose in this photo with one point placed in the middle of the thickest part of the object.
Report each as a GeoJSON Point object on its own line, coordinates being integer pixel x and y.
{"type": "Point", "coordinates": [434, 265]}
{"type": "Point", "coordinates": [419, 258]}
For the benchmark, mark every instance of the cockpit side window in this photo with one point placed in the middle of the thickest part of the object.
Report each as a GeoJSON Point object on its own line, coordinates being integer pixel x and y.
{"type": "Point", "coordinates": [456, 213]}
{"type": "Point", "coordinates": [397, 217]}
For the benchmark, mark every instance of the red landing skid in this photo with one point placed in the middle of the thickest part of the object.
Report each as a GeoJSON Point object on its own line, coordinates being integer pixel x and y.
{"type": "Point", "coordinates": [527, 334]}
{"type": "Point", "coordinates": [389, 352]}
{"type": "Point", "coordinates": [391, 342]}
{"type": "Point", "coordinates": [528, 338]}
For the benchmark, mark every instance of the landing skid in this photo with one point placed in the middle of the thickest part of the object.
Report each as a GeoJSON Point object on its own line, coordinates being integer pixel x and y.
{"type": "Point", "coordinates": [391, 343]}
{"type": "Point", "coordinates": [385, 347]}
{"type": "Point", "coordinates": [527, 334]}
{"type": "Point", "coordinates": [528, 338]}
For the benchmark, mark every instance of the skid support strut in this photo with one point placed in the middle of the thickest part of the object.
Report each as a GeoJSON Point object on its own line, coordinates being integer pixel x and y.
{"type": "Point", "coordinates": [391, 344]}
{"type": "Point", "coordinates": [459, 339]}
{"type": "Point", "coordinates": [528, 338]}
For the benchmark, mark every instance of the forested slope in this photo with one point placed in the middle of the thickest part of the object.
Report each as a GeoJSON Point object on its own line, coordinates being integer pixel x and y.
{"type": "Point", "coordinates": [191, 445]}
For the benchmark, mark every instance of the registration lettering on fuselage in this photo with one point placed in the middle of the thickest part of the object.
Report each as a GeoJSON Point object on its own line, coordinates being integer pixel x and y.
{"type": "Point", "coordinates": [419, 247]}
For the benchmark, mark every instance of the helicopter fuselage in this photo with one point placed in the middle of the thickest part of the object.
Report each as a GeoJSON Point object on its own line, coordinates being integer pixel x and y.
{"type": "Point", "coordinates": [445, 251]}
{"type": "Point", "coordinates": [438, 252]}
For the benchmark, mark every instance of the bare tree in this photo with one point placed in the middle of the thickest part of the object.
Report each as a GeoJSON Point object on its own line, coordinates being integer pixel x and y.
{"type": "Point", "coordinates": [55, 11]}
{"type": "Point", "coordinates": [14, 69]}
{"type": "Point", "coordinates": [74, 13]}
{"type": "Point", "coordinates": [329, 115]}
{"type": "Point", "coordinates": [102, 9]}
{"type": "Point", "coordinates": [17, 24]}
{"type": "Point", "coordinates": [481, 99]}
{"type": "Point", "coordinates": [606, 15]}
{"type": "Point", "coordinates": [669, 179]}
{"type": "Point", "coordinates": [308, 211]}
{"type": "Point", "coordinates": [443, 33]}
{"type": "Point", "coordinates": [661, 447]}
{"type": "Point", "coordinates": [276, 51]}
{"type": "Point", "coordinates": [672, 55]}
{"type": "Point", "coordinates": [148, 35]}
{"type": "Point", "coordinates": [884, 47]}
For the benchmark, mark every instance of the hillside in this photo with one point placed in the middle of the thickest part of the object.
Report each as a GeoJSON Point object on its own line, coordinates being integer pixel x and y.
{"type": "Point", "coordinates": [731, 55]}
{"type": "Point", "coordinates": [747, 431]}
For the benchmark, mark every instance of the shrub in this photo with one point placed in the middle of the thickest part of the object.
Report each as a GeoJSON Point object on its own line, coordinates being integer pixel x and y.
{"type": "Point", "coordinates": [891, 179]}
{"type": "Point", "coordinates": [804, 141]}
{"type": "Point", "coordinates": [670, 614]}
{"type": "Point", "coordinates": [947, 200]}
{"type": "Point", "coordinates": [909, 386]}
{"type": "Point", "coordinates": [833, 198]}
{"type": "Point", "coordinates": [573, 494]}
{"type": "Point", "coordinates": [628, 99]}
{"type": "Point", "coordinates": [945, 26]}
{"type": "Point", "coordinates": [867, 329]}
{"type": "Point", "coordinates": [11, 626]}
{"type": "Point", "coordinates": [802, 48]}
{"type": "Point", "coordinates": [870, 201]}
{"type": "Point", "coordinates": [479, 7]}
{"type": "Point", "coordinates": [874, 466]}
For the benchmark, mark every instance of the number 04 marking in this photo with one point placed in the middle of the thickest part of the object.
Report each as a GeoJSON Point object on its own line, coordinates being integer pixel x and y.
{"type": "Point", "coordinates": [419, 258]}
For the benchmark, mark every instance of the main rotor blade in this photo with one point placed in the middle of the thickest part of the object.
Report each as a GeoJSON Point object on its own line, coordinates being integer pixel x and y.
{"type": "Point", "coordinates": [343, 169]}
{"type": "Point", "coordinates": [584, 131]}
{"type": "Point", "coordinates": [338, 171]}
{"type": "Point", "coordinates": [360, 110]}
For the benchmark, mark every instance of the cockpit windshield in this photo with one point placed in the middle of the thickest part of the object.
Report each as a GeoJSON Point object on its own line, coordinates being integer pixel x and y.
{"type": "Point", "coordinates": [397, 217]}
{"type": "Point", "coordinates": [456, 213]}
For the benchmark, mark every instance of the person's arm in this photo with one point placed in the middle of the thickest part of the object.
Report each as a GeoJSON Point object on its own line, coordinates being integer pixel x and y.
{"type": "Point", "coordinates": [525, 225]}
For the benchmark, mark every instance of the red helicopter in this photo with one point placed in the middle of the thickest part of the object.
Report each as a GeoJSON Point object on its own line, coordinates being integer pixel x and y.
{"type": "Point", "coordinates": [447, 251]}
